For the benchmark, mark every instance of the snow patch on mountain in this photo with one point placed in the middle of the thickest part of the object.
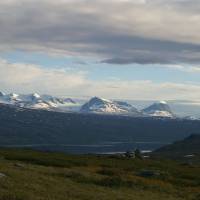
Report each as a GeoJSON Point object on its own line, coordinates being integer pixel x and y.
{"type": "Point", "coordinates": [94, 105]}
{"type": "Point", "coordinates": [36, 101]}
{"type": "Point", "coordinates": [159, 109]}
{"type": "Point", "coordinates": [104, 106]}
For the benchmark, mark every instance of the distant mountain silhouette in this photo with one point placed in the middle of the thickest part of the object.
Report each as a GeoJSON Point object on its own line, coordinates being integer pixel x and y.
{"type": "Point", "coordinates": [187, 147]}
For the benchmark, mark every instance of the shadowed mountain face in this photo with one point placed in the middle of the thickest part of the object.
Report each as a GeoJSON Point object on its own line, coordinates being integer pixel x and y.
{"type": "Point", "coordinates": [190, 146]}
{"type": "Point", "coordinates": [1, 94]}
{"type": "Point", "coordinates": [21, 126]}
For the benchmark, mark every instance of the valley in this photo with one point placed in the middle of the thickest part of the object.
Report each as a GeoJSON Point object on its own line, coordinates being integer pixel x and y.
{"type": "Point", "coordinates": [88, 132]}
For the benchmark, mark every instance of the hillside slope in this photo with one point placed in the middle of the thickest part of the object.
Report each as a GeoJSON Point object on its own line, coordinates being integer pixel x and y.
{"type": "Point", "coordinates": [188, 147]}
{"type": "Point", "coordinates": [26, 127]}
{"type": "Point", "coordinates": [30, 175]}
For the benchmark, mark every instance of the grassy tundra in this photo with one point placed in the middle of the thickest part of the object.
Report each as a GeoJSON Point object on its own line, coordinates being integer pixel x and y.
{"type": "Point", "coordinates": [32, 175]}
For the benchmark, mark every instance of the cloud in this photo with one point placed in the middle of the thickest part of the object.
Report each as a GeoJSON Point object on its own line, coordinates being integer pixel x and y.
{"type": "Point", "coordinates": [21, 77]}
{"type": "Point", "coordinates": [26, 78]}
{"type": "Point", "coordinates": [117, 31]}
{"type": "Point", "coordinates": [145, 90]}
{"type": "Point", "coordinates": [187, 69]}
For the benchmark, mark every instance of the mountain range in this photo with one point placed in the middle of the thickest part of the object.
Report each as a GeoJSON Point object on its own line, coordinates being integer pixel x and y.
{"type": "Point", "coordinates": [94, 105]}
{"type": "Point", "coordinates": [36, 101]}
{"type": "Point", "coordinates": [102, 106]}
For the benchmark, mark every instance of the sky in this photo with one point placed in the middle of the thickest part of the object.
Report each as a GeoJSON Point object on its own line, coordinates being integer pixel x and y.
{"type": "Point", "coordinates": [118, 49]}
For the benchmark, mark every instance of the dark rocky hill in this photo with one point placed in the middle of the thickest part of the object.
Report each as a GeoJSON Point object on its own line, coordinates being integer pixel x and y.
{"type": "Point", "coordinates": [19, 126]}
{"type": "Point", "coordinates": [186, 148]}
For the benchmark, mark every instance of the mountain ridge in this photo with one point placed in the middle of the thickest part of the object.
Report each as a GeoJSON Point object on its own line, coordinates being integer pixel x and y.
{"type": "Point", "coordinates": [94, 105]}
{"type": "Point", "coordinates": [36, 101]}
{"type": "Point", "coordinates": [99, 105]}
{"type": "Point", "coordinates": [187, 148]}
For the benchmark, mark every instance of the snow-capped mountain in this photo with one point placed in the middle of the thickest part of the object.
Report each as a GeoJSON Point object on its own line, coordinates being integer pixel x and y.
{"type": "Point", "coordinates": [159, 109]}
{"type": "Point", "coordinates": [104, 106]}
{"type": "Point", "coordinates": [36, 101]}
{"type": "Point", "coordinates": [94, 105]}
{"type": "Point", "coordinates": [11, 98]}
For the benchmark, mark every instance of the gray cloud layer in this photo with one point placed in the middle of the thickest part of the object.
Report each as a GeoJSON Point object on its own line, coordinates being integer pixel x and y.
{"type": "Point", "coordinates": [26, 78]}
{"type": "Point", "coordinates": [118, 31]}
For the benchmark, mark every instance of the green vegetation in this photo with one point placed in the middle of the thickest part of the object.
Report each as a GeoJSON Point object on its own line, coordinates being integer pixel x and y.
{"type": "Point", "coordinates": [32, 175]}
